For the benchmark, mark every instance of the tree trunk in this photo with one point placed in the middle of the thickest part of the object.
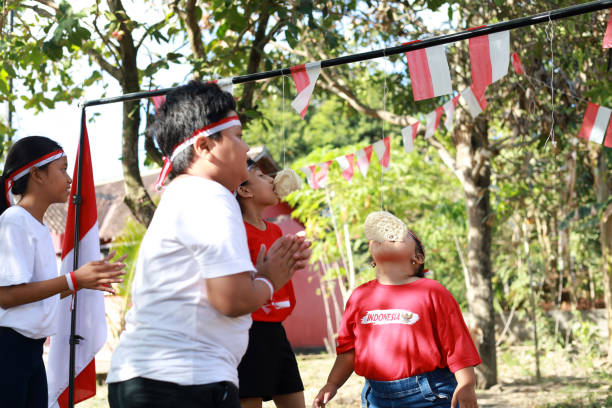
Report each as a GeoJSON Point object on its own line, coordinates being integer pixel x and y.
{"type": "Point", "coordinates": [605, 227]}
{"type": "Point", "coordinates": [136, 196]}
{"type": "Point", "coordinates": [476, 170]}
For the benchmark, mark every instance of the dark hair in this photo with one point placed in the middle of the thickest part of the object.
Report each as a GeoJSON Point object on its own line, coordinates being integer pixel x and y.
{"type": "Point", "coordinates": [24, 151]}
{"type": "Point", "coordinates": [186, 109]}
{"type": "Point", "coordinates": [419, 250]}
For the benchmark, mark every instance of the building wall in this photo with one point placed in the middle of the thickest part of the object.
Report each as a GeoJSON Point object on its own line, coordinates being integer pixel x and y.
{"type": "Point", "coordinates": [306, 327]}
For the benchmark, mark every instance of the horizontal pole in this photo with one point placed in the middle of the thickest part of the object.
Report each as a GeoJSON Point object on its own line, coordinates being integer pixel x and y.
{"type": "Point", "coordinates": [416, 45]}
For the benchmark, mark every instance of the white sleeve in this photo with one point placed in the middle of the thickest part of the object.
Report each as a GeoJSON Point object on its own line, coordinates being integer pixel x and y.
{"type": "Point", "coordinates": [16, 257]}
{"type": "Point", "coordinates": [212, 228]}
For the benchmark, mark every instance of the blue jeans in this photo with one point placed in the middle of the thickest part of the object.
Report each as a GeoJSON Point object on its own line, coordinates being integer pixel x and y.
{"type": "Point", "coordinates": [432, 389]}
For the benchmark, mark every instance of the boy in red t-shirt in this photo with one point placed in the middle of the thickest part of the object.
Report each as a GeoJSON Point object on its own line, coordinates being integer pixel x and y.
{"type": "Point", "coordinates": [404, 333]}
{"type": "Point", "coordinates": [268, 370]}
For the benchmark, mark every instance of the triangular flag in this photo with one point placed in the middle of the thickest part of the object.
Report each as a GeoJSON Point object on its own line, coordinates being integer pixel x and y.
{"type": "Point", "coordinates": [91, 317]}
{"type": "Point", "coordinates": [310, 172]}
{"type": "Point", "coordinates": [516, 63]}
{"type": "Point", "coordinates": [433, 121]}
{"type": "Point", "coordinates": [596, 125]}
{"type": "Point", "coordinates": [347, 165]}
{"type": "Point", "coordinates": [158, 101]}
{"type": "Point", "coordinates": [429, 72]}
{"type": "Point", "coordinates": [475, 101]}
{"type": "Point", "coordinates": [363, 157]}
{"type": "Point", "coordinates": [305, 77]}
{"type": "Point", "coordinates": [449, 110]}
{"type": "Point", "coordinates": [383, 151]}
{"type": "Point", "coordinates": [489, 58]}
{"type": "Point", "coordinates": [321, 175]}
{"type": "Point", "coordinates": [607, 41]}
{"type": "Point", "coordinates": [409, 133]}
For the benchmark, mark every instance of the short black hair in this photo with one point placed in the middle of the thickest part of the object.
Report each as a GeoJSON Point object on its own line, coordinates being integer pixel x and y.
{"type": "Point", "coordinates": [186, 109]}
{"type": "Point", "coordinates": [24, 151]}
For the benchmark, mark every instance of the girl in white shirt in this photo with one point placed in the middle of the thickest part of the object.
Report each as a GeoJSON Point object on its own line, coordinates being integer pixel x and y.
{"type": "Point", "coordinates": [195, 285]}
{"type": "Point", "coordinates": [30, 288]}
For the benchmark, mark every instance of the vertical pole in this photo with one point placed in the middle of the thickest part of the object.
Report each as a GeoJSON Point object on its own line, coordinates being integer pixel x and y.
{"type": "Point", "coordinates": [532, 301]}
{"type": "Point", "coordinates": [76, 200]}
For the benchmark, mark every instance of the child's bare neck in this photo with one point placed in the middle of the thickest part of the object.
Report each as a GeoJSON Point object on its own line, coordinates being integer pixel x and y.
{"type": "Point", "coordinates": [254, 216]}
{"type": "Point", "coordinates": [396, 274]}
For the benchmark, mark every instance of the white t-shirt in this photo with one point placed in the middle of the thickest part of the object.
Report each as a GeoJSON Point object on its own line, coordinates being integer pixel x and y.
{"type": "Point", "coordinates": [27, 255]}
{"type": "Point", "coordinates": [172, 333]}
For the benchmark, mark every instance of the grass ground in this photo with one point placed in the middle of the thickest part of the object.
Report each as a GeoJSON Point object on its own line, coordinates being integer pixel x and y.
{"type": "Point", "coordinates": [566, 381]}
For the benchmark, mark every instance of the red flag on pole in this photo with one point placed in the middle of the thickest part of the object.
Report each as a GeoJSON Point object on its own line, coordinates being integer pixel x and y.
{"type": "Point", "coordinates": [347, 165]}
{"type": "Point", "coordinates": [305, 77]}
{"type": "Point", "coordinates": [383, 151]}
{"type": "Point", "coordinates": [607, 41]}
{"type": "Point", "coordinates": [429, 72]}
{"type": "Point", "coordinates": [597, 125]}
{"type": "Point", "coordinates": [91, 316]}
{"type": "Point", "coordinates": [489, 58]}
{"type": "Point", "coordinates": [363, 157]}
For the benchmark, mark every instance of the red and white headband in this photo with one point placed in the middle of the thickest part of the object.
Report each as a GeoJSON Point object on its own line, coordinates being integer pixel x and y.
{"type": "Point", "coordinates": [10, 180]}
{"type": "Point", "coordinates": [206, 131]}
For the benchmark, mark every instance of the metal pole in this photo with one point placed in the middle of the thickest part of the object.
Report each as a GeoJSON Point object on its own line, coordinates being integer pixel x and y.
{"type": "Point", "coordinates": [76, 200]}
{"type": "Point", "coordinates": [429, 42]}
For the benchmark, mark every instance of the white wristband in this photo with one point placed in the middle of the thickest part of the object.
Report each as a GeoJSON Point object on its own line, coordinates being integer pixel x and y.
{"type": "Point", "coordinates": [267, 282]}
{"type": "Point", "coordinates": [69, 280]}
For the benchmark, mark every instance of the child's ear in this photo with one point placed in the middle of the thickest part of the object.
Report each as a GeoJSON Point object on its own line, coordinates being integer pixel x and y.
{"type": "Point", "coordinates": [418, 258]}
{"type": "Point", "coordinates": [203, 145]}
{"type": "Point", "coordinates": [36, 175]}
{"type": "Point", "coordinates": [244, 192]}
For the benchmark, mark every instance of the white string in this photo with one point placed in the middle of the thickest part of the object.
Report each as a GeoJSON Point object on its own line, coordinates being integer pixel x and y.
{"type": "Point", "coordinates": [382, 168]}
{"type": "Point", "coordinates": [283, 121]}
{"type": "Point", "coordinates": [550, 35]}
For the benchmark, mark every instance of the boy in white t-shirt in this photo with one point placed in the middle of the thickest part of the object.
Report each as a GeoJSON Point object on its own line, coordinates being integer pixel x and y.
{"type": "Point", "coordinates": [195, 285]}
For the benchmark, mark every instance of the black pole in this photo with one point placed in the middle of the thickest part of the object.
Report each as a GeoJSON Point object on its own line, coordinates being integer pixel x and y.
{"type": "Point", "coordinates": [76, 200]}
{"type": "Point", "coordinates": [429, 42]}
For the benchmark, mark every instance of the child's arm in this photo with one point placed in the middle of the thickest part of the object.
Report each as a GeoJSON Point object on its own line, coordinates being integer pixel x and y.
{"type": "Point", "coordinates": [239, 294]}
{"type": "Point", "coordinates": [340, 372]}
{"type": "Point", "coordinates": [465, 393]}
{"type": "Point", "coordinates": [93, 275]}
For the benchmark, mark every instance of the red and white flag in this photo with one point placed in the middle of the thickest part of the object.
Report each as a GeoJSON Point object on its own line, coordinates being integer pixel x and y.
{"type": "Point", "coordinates": [433, 121]}
{"type": "Point", "coordinates": [310, 172]}
{"type": "Point", "coordinates": [321, 175]}
{"type": "Point", "coordinates": [489, 58]}
{"type": "Point", "coordinates": [347, 165]}
{"type": "Point", "coordinates": [475, 100]}
{"type": "Point", "coordinates": [158, 101]}
{"type": "Point", "coordinates": [363, 157]}
{"type": "Point", "coordinates": [449, 110]}
{"type": "Point", "coordinates": [91, 317]}
{"type": "Point", "coordinates": [516, 63]}
{"type": "Point", "coordinates": [597, 125]}
{"type": "Point", "coordinates": [409, 133]}
{"type": "Point", "coordinates": [607, 41]}
{"type": "Point", "coordinates": [429, 72]}
{"type": "Point", "coordinates": [305, 77]}
{"type": "Point", "coordinates": [383, 151]}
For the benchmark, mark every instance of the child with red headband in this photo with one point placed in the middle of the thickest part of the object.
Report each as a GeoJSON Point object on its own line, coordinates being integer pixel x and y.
{"type": "Point", "coordinates": [268, 370]}
{"type": "Point", "coordinates": [195, 285]}
{"type": "Point", "coordinates": [30, 288]}
{"type": "Point", "coordinates": [404, 333]}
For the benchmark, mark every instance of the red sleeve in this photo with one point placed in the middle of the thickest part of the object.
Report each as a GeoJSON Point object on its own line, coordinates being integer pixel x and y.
{"type": "Point", "coordinates": [346, 334]}
{"type": "Point", "coordinates": [457, 346]}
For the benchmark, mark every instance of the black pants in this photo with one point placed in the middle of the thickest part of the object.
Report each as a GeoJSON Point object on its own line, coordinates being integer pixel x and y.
{"type": "Point", "coordinates": [142, 392]}
{"type": "Point", "coordinates": [23, 380]}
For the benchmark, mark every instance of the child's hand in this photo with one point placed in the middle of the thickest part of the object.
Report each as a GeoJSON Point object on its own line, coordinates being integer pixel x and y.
{"type": "Point", "coordinates": [100, 274]}
{"type": "Point", "coordinates": [325, 395]}
{"type": "Point", "coordinates": [278, 264]}
{"type": "Point", "coordinates": [302, 255]}
{"type": "Point", "coordinates": [465, 395]}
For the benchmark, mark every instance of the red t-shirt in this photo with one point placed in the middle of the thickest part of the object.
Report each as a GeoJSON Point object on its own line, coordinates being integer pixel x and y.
{"type": "Point", "coordinates": [283, 300]}
{"type": "Point", "coordinates": [399, 331]}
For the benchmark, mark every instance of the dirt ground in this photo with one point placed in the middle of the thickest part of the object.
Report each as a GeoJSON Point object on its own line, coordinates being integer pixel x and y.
{"type": "Point", "coordinates": [566, 382]}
